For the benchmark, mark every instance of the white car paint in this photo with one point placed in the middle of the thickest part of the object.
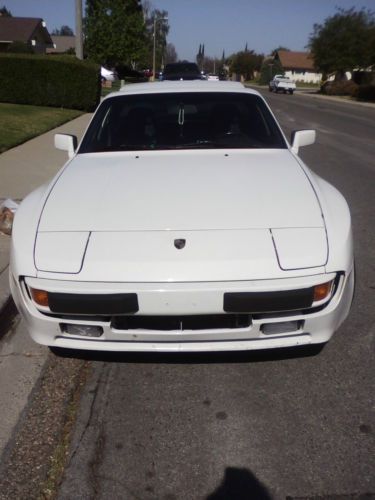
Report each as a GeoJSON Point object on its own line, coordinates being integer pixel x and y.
{"type": "Point", "coordinates": [117, 181]}
{"type": "Point", "coordinates": [253, 221]}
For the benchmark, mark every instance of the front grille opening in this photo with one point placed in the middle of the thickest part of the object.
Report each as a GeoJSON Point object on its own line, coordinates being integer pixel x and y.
{"type": "Point", "coordinates": [199, 322]}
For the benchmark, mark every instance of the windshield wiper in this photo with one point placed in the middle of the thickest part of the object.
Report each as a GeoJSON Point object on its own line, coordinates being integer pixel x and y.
{"type": "Point", "coordinates": [198, 144]}
{"type": "Point", "coordinates": [135, 147]}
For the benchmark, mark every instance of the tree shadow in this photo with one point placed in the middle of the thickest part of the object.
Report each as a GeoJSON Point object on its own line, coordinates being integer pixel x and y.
{"type": "Point", "coordinates": [240, 484]}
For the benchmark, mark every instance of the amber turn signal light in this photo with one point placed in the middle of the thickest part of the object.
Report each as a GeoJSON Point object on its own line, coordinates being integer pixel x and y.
{"type": "Point", "coordinates": [322, 291]}
{"type": "Point", "coordinates": [40, 297]}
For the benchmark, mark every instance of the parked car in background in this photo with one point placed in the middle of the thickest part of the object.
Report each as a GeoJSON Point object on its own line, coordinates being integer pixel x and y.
{"type": "Point", "coordinates": [213, 78]}
{"type": "Point", "coordinates": [108, 75]}
{"type": "Point", "coordinates": [182, 71]}
{"type": "Point", "coordinates": [282, 83]}
{"type": "Point", "coordinates": [184, 221]}
{"type": "Point", "coordinates": [125, 72]}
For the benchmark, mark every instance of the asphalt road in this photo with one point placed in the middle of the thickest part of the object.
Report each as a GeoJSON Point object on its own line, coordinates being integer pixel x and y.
{"type": "Point", "coordinates": [248, 426]}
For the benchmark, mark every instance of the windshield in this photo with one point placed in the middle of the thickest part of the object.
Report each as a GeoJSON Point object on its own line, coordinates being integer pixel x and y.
{"type": "Point", "coordinates": [194, 120]}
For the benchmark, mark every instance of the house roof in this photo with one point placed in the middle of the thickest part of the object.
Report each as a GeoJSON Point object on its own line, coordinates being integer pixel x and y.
{"type": "Point", "coordinates": [62, 43]}
{"type": "Point", "coordinates": [22, 29]}
{"type": "Point", "coordinates": [296, 60]}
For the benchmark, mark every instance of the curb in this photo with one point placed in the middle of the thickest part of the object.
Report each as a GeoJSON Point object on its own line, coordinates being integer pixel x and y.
{"type": "Point", "coordinates": [6, 302]}
{"type": "Point", "coordinates": [335, 99]}
{"type": "Point", "coordinates": [7, 307]}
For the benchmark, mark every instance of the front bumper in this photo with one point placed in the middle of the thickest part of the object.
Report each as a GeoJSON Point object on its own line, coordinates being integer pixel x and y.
{"type": "Point", "coordinates": [173, 300]}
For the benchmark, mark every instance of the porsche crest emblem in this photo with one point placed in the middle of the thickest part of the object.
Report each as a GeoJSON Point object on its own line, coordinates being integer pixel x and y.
{"type": "Point", "coordinates": [179, 243]}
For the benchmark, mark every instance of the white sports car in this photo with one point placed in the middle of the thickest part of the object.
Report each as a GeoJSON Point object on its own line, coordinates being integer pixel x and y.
{"type": "Point", "coordinates": [184, 221]}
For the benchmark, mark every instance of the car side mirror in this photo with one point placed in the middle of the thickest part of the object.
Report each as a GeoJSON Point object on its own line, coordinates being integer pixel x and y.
{"type": "Point", "coordinates": [302, 138]}
{"type": "Point", "coordinates": [66, 142]}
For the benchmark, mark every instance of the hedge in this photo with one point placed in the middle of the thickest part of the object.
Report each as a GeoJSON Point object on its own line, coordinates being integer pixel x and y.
{"type": "Point", "coordinates": [366, 93]}
{"type": "Point", "coordinates": [340, 87]}
{"type": "Point", "coordinates": [49, 80]}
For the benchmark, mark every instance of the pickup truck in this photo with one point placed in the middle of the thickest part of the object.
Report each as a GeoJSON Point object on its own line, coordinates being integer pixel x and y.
{"type": "Point", "coordinates": [281, 82]}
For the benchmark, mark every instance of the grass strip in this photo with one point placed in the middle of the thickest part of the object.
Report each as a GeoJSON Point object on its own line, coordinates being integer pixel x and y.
{"type": "Point", "coordinates": [34, 460]}
{"type": "Point", "coordinates": [20, 122]}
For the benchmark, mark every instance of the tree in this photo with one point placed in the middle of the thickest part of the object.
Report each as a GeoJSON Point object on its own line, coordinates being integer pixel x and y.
{"type": "Point", "coordinates": [275, 51]}
{"type": "Point", "coordinates": [270, 67]}
{"type": "Point", "coordinates": [18, 47]}
{"type": "Point", "coordinates": [200, 57]}
{"type": "Point", "coordinates": [246, 63]}
{"type": "Point", "coordinates": [161, 33]}
{"type": "Point", "coordinates": [212, 65]}
{"type": "Point", "coordinates": [115, 32]}
{"type": "Point", "coordinates": [170, 54]}
{"type": "Point", "coordinates": [344, 42]}
{"type": "Point", "coordinates": [5, 12]}
{"type": "Point", "coordinates": [63, 31]}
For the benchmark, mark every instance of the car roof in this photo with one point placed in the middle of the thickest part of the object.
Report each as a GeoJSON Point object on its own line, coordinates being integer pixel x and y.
{"type": "Point", "coordinates": [182, 86]}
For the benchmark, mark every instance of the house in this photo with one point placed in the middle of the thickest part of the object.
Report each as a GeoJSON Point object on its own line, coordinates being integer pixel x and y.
{"type": "Point", "coordinates": [29, 30]}
{"type": "Point", "coordinates": [62, 44]}
{"type": "Point", "coordinates": [298, 66]}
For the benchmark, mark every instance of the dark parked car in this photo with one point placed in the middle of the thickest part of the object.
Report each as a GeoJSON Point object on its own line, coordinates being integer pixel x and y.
{"type": "Point", "coordinates": [182, 71]}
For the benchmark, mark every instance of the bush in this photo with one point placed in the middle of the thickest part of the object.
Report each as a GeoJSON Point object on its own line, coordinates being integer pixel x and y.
{"type": "Point", "coordinates": [341, 87]}
{"type": "Point", "coordinates": [366, 93]}
{"type": "Point", "coordinates": [270, 68]}
{"type": "Point", "coordinates": [363, 77]}
{"type": "Point", "coordinates": [19, 48]}
{"type": "Point", "coordinates": [41, 80]}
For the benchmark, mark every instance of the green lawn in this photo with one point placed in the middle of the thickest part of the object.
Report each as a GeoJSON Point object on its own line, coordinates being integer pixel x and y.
{"type": "Point", "coordinates": [20, 122]}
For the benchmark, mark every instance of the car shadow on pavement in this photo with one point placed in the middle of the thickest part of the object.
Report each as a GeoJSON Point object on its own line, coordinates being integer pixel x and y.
{"type": "Point", "coordinates": [192, 357]}
{"type": "Point", "coordinates": [240, 484]}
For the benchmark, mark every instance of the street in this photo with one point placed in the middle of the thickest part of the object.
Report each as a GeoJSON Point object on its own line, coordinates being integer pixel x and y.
{"type": "Point", "coordinates": [248, 425]}
{"type": "Point", "coordinates": [179, 427]}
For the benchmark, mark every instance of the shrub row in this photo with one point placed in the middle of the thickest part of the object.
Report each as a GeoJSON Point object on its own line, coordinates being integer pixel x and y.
{"type": "Point", "coordinates": [366, 93]}
{"type": "Point", "coordinates": [41, 80]}
{"type": "Point", "coordinates": [349, 88]}
{"type": "Point", "coordinates": [341, 87]}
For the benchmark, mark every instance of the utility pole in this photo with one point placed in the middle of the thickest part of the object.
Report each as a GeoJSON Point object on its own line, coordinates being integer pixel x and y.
{"type": "Point", "coordinates": [156, 20]}
{"type": "Point", "coordinates": [79, 38]}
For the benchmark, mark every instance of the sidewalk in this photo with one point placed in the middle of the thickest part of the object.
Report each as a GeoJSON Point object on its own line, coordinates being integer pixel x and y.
{"type": "Point", "coordinates": [23, 169]}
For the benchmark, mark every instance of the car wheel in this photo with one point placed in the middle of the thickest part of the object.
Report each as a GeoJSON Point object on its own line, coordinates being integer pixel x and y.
{"type": "Point", "coordinates": [291, 92]}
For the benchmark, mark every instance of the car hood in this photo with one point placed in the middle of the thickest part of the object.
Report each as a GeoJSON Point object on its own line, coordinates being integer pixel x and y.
{"type": "Point", "coordinates": [239, 215]}
{"type": "Point", "coordinates": [183, 190]}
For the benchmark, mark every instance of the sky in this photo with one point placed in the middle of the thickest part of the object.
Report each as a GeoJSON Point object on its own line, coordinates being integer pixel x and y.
{"type": "Point", "coordinates": [218, 24]}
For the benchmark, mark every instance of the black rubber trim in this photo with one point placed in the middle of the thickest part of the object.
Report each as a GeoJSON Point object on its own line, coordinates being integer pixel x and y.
{"type": "Point", "coordinates": [263, 302]}
{"type": "Point", "coordinates": [108, 304]}
{"type": "Point", "coordinates": [181, 323]}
